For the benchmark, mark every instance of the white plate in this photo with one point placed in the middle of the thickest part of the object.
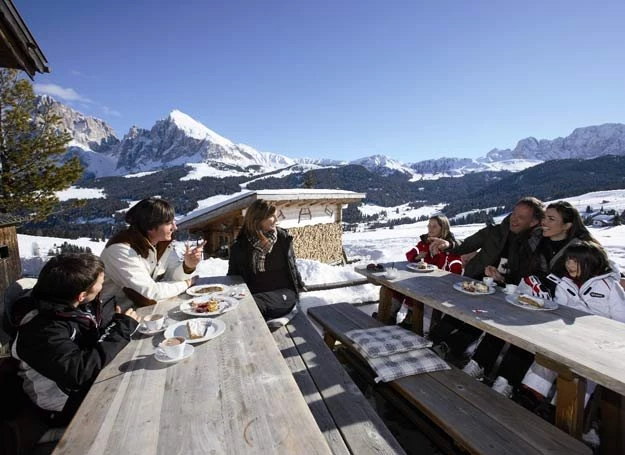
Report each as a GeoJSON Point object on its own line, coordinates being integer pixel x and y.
{"type": "Point", "coordinates": [514, 300]}
{"type": "Point", "coordinates": [162, 357]}
{"type": "Point", "coordinates": [458, 287]}
{"type": "Point", "coordinates": [195, 290]}
{"type": "Point", "coordinates": [225, 304]}
{"type": "Point", "coordinates": [214, 328]}
{"type": "Point", "coordinates": [413, 266]}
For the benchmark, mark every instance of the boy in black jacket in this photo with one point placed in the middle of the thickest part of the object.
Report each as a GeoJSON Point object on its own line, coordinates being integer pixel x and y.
{"type": "Point", "coordinates": [62, 343]}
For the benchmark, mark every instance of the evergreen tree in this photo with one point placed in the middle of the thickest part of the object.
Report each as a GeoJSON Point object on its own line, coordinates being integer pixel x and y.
{"type": "Point", "coordinates": [309, 180]}
{"type": "Point", "coordinates": [31, 144]}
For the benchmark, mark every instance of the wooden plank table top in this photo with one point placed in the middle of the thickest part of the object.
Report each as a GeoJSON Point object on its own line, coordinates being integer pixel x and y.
{"type": "Point", "coordinates": [234, 395]}
{"type": "Point", "coordinates": [589, 345]}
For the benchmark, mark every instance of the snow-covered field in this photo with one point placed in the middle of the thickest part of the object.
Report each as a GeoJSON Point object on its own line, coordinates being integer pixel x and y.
{"type": "Point", "coordinates": [382, 245]}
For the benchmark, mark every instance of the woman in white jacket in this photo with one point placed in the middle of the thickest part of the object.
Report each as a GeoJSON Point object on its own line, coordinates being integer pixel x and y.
{"type": "Point", "coordinates": [590, 285]}
{"type": "Point", "coordinates": [140, 262]}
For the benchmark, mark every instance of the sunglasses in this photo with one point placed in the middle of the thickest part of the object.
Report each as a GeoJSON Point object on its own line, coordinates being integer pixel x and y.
{"type": "Point", "coordinates": [376, 267]}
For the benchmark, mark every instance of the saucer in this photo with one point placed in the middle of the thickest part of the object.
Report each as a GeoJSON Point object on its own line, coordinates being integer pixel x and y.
{"type": "Point", "coordinates": [143, 330]}
{"type": "Point", "coordinates": [162, 357]}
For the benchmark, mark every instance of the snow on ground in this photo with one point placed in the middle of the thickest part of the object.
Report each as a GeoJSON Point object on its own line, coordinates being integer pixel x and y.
{"type": "Point", "coordinates": [377, 245]}
{"type": "Point", "coordinates": [381, 245]}
{"type": "Point", "coordinates": [400, 211]}
{"type": "Point", "coordinates": [74, 192]}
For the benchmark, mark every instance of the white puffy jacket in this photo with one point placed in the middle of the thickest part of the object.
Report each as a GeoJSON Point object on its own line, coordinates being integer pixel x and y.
{"type": "Point", "coordinates": [151, 278]}
{"type": "Point", "coordinates": [601, 295]}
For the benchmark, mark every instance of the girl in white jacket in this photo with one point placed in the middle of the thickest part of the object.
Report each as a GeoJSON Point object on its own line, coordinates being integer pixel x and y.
{"type": "Point", "coordinates": [590, 285]}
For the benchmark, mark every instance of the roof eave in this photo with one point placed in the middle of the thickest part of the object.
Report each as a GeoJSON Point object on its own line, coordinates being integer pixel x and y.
{"type": "Point", "coordinates": [21, 51]}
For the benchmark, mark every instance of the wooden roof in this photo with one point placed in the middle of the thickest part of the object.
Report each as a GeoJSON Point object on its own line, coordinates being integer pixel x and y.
{"type": "Point", "coordinates": [18, 48]}
{"type": "Point", "coordinates": [243, 200]}
{"type": "Point", "coordinates": [7, 219]}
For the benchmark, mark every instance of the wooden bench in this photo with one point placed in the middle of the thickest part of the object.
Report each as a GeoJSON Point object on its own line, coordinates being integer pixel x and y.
{"type": "Point", "coordinates": [476, 418]}
{"type": "Point", "coordinates": [347, 420]}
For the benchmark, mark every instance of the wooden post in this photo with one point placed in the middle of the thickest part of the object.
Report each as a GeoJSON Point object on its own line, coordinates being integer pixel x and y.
{"type": "Point", "coordinates": [417, 316]}
{"type": "Point", "coordinates": [329, 339]}
{"type": "Point", "coordinates": [385, 306]}
{"type": "Point", "coordinates": [612, 423]}
{"type": "Point", "coordinates": [570, 402]}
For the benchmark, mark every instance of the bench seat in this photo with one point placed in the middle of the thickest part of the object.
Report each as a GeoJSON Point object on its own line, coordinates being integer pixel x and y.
{"type": "Point", "coordinates": [347, 420]}
{"type": "Point", "coordinates": [478, 419]}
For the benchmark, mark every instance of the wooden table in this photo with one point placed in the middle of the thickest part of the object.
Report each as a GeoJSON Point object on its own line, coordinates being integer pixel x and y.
{"type": "Point", "coordinates": [577, 345]}
{"type": "Point", "coordinates": [234, 395]}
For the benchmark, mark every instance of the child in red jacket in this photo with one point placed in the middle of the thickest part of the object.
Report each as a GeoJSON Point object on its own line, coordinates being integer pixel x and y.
{"type": "Point", "coordinates": [438, 228]}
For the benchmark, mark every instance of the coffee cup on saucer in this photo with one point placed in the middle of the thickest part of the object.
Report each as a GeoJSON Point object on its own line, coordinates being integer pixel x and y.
{"type": "Point", "coordinates": [153, 322]}
{"type": "Point", "coordinates": [488, 281]}
{"type": "Point", "coordinates": [510, 288]}
{"type": "Point", "coordinates": [173, 347]}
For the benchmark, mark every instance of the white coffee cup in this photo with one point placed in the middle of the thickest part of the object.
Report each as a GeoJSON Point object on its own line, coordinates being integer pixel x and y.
{"type": "Point", "coordinates": [510, 288]}
{"type": "Point", "coordinates": [173, 347]}
{"type": "Point", "coordinates": [391, 273]}
{"type": "Point", "coordinates": [489, 281]}
{"type": "Point", "coordinates": [153, 321]}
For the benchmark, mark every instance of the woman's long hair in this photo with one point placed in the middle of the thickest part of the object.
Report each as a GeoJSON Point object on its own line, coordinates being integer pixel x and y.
{"type": "Point", "coordinates": [257, 212]}
{"type": "Point", "coordinates": [149, 214]}
{"type": "Point", "coordinates": [570, 214]}
{"type": "Point", "coordinates": [443, 222]}
{"type": "Point", "coordinates": [591, 258]}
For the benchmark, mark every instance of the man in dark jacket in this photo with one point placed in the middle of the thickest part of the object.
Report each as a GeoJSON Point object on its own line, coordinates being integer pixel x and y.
{"type": "Point", "coordinates": [505, 250]}
{"type": "Point", "coordinates": [506, 253]}
{"type": "Point", "coordinates": [61, 342]}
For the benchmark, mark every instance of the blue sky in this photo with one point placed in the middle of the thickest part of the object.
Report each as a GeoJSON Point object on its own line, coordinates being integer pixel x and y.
{"type": "Point", "coordinates": [409, 79]}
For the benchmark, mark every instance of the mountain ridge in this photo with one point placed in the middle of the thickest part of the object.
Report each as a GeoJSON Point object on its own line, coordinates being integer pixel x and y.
{"type": "Point", "coordinates": [178, 139]}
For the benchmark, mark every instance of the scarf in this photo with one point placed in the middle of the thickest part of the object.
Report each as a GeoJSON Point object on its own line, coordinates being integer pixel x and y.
{"type": "Point", "coordinates": [261, 249]}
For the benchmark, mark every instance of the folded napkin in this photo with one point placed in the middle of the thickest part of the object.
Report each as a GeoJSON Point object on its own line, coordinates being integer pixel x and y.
{"type": "Point", "coordinates": [391, 367]}
{"type": "Point", "coordinates": [387, 340]}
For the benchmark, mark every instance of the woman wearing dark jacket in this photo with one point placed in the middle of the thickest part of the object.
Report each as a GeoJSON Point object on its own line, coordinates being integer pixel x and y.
{"type": "Point", "coordinates": [263, 255]}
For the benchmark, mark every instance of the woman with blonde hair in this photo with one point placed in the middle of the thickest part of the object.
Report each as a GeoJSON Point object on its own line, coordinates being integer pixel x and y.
{"type": "Point", "coordinates": [263, 255]}
{"type": "Point", "coordinates": [438, 229]}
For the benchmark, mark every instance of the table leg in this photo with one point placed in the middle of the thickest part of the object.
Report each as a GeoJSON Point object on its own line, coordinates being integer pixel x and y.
{"type": "Point", "coordinates": [329, 340]}
{"type": "Point", "coordinates": [435, 318]}
{"type": "Point", "coordinates": [385, 306]}
{"type": "Point", "coordinates": [570, 403]}
{"type": "Point", "coordinates": [612, 423]}
{"type": "Point", "coordinates": [417, 316]}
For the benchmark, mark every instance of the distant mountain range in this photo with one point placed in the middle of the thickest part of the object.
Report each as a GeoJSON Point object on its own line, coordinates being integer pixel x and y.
{"type": "Point", "coordinates": [179, 140]}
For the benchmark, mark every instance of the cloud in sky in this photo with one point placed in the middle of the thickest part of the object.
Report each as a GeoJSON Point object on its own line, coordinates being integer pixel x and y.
{"type": "Point", "coordinates": [67, 94]}
{"type": "Point", "coordinates": [108, 111]}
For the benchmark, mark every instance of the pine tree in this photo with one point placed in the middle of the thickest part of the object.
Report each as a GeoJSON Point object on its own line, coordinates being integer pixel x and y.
{"type": "Point", "coordinates": [31, 145]}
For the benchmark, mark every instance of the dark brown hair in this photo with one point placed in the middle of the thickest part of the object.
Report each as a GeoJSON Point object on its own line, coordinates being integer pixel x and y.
{"type": "Point", "coordinates": [149, 214]}
{"type": "Point", "coordinates": [65, 276]}
{"type": "Point", "coordinates": [570, 214]}
{"type": "Point", "coordinates": [535, 204]}
{"type": "Point", "coordinates": [591, 258]}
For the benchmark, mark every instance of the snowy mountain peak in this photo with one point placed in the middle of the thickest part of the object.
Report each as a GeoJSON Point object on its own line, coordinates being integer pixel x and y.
{"type": "Point", "coordinates": [195, 129]}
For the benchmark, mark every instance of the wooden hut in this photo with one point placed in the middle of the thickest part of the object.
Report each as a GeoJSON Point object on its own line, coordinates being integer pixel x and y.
{"type": "Point", "coordinates": [313, 217]}
{"type": "Point", "coordinates": [10, 264]}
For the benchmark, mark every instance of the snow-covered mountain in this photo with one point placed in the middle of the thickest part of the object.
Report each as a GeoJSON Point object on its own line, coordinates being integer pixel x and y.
{"type": "Point", "coordinates": [585, 143]}
{"type": "Point", "coordinates": [93, 141]}
{"type": "Point", "coordinates": [178, 139]}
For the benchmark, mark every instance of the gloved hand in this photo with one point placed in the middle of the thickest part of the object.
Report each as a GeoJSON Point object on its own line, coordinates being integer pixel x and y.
{"type": "Point", "coordinates": [532, 285]}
